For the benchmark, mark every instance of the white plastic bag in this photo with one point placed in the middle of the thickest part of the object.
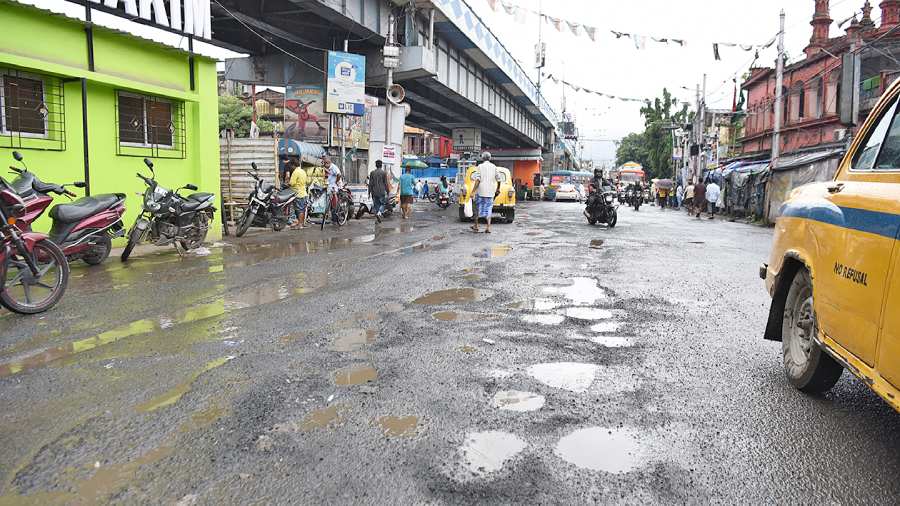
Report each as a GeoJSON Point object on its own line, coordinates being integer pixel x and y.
{"type": "Point", "coordinates": [467, 209]}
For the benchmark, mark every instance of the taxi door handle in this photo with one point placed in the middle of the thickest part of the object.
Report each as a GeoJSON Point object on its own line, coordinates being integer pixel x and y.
{"type": "Point", "coordinates": [836, 188]}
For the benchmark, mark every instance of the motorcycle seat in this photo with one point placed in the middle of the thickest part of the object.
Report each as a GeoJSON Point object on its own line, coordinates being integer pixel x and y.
{"type": "Point", "coordinates": [201, 196]}
{"type": "Point", "coordinates": [284, 196]}
{"type": "Point", "coordinates": [84, 207]}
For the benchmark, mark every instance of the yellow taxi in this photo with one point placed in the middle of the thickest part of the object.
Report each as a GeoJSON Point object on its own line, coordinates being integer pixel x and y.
{"type": "Point", "coordinates": [504, 203]}
{"type": "Point", "coordinates": [834, 271]}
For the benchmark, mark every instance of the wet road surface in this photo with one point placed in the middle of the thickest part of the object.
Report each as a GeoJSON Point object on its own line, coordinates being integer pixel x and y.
{"type": "Point", "coordinates": [550, 362]}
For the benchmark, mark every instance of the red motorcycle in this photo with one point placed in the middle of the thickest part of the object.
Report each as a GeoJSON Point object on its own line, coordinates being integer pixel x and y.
{"type": "Point", "coordinates": [83, 229]}
{"type": "Point", "coordinates": [33, 269]}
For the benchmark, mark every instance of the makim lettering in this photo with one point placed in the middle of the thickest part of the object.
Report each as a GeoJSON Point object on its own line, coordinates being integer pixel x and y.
{"type": "Point", "coordinates": [192, 17]}
{"type": "Point", "coordinates": [849, 273]}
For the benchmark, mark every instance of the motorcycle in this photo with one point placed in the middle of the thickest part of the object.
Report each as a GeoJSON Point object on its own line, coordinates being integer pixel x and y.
{"type": "Point", "coordinates": [635, 199]}
{"type": "Point", "coordinates": [83, 229]}
{"type": "Point", "coordinates": [339, 206]}
{"type": "Point", "coordinates": [266, 206]}
{"type": "Point", "coordinates": [169, 218]}
{"type": "Point", "coordinates": [33, 268]}
{"type": "Point", "coordinates": [601, 207]}
{"type": "Point", "coordinates": [365, 208]}
{"type": "Point", "coordinates": [443, 201]}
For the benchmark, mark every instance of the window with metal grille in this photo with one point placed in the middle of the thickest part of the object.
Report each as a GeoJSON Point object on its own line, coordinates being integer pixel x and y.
{"type": "Point", "coordinates": [32, 111]}
{"type": "Point", "coordinates": [147, 123]}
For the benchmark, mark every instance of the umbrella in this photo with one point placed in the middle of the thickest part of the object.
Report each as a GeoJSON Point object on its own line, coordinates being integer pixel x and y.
{"type": "Point", "coordinates": [414, 163]}
{"type": "Point", "coordinates": [665, 184]}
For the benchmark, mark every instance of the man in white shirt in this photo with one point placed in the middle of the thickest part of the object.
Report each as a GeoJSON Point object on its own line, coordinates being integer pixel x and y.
{"type": "Point", "coordinates": [713, 192]}
{"type": "Point", "coordinates": [487, 187]}
{"type": "Point", "coordinates": [334, 179]}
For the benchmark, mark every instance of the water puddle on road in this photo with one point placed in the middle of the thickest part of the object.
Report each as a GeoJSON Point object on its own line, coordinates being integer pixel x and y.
{"type": "Point", "coordinates": [301, 283]}
{"type": "Point", "coordinates": [467, 349]}
{"type": "Point", "coordinates": [486, 452]}
{"type": "Point", "coordinates": [573, 376]}
{"type": "Point", "coordinates": [582, 291]}
{"type": "Point", "coordinates": [462, 316]}
{"type": "Point", "coordinates": [601, 449]}
{"type": "Point", "coordinates": [353, 339]}
{"type": "Point", "coordinates": [588, 313]}
{"type": "Point", "coordinates": [606, 327]}
{"type": "Point", "coordinates": [175, 394]}
{"type": "Point", "coordinates": [324, 418]}
{"type": "Point", "coordinates": [500, 250]}
{"type": "Point", "coordinates": [544, 319]}
{"type": "Point", "coordinates": [612, 341]}
{"type": "Point", "coordinates": [597, 243]}
{"type": "Point", "coordinates": [454, 296]}
{"type": "Point", "coordinates": [517, 400]}
{"type": "Point", "coordinates": [356, 374]}
{"type": "Point", "coordinates": [398, 426]}
{"type": "Point", "coordinates": [204, 418]}
{"type": "Point", "coordinates": [538, 304]}
{"type": "Point", "coordinates": [473, 277]}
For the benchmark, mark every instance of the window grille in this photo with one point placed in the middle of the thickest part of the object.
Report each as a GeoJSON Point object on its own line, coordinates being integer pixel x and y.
{"type": "Point", "coordinates": [149, 126]}
{"type": "Point", "coordinates": [32, 111]}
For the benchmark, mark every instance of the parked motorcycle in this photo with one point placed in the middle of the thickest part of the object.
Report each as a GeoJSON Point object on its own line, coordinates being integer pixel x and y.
{"type": "Point", "coordinates": [365, 208]}
{"type": "Point", "coordinates": [33, 268]}
{"type": "Point", "coordinates": [83, 229]}
{"type": "Point", "coordinates": [601, 207]}
{"type": "Point", "coordinates": [266, 207]}
{"type": "Point", "coordinates": [170, 218]}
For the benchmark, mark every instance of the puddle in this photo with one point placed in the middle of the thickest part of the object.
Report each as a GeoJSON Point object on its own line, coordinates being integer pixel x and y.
{"type": "Point", "coordinates": [462, 316]}
{"type": "Point", "coordinates": [588, 313]}
{"type": "Point", "coordinates": [473, 277]}
{"type": "Point", "coordinates": [538, 304]}
{"type": "Point", "coordinates": [467, 349]}
{"type": "Point", "coordinates": [392, 307]}
{"type": "Point", "coordinates": [353, 339]}
{"type": "Point", "coordinates": [301, 283]}
{"type": "Point", "coordinates": [398, 426]}
{"type": "Point", "coordinates": [175, 394]}
{"type": "Point", "coordinates": [204, 418]}
{"type": "Point", "coordinates": [582, 291]}
{"type": "Point", "coordinates": [486, 452]}
{"type": "Point", "coordinates": [596, 243]}
{"type": "Point", "coordinates": [612, 341]}
{"type": "Point", "coordinates": [517, 400]}
{"type": "Point", "coordinates": [324, 418]}
{"type": "Point", "coordinates": [500, 250]}
{"type": "Point", "coordinates": [355, 375]}
{"type": "Point", "coordinates": [601, 449]}
{"type": "Point", "coordinates": [573, 376]}
{"type": "Point", "coordinates": [544, 319]}
{"type": "Point", "coordinates": [453, 296]}
{"type": "Point", "coordinates": [606, 327]}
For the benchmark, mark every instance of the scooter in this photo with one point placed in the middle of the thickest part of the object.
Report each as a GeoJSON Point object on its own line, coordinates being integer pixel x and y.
{"type": "Point", "coordinates": [266, 206]}
{"type": "Point", "coordinates": [83, 229]}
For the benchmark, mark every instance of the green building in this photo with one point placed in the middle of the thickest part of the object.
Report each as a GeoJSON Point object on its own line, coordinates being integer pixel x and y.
{"type": "Point", "coordinates": [87, 102]}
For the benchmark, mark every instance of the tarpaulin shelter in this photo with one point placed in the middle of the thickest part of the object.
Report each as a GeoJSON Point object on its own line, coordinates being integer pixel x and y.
{"type": "Point", "coordinates": [792, 171]}
{"type": "Point", "coordinates": [744, 186]}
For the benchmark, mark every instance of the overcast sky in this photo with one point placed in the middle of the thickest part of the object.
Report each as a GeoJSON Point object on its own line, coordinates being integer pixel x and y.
{"type": "Point", "coordinates": [615, 66]}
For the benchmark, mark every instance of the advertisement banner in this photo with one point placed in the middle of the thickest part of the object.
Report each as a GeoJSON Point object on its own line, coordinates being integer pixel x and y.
{"type": "Point", "coordinates": [304, 116]}
{"type": "Point", "coordinates": [357, 128]}
{"type": "Point", "coordinates": [345, 83]}
{"type": "Point", "coordinates": [390, 154]}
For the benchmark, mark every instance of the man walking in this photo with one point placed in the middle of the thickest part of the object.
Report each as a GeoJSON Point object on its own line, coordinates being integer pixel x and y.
{"type": "Point", "coordinates": [713, 193]}
{"type": "Point", "coordinates": [699, 197]}
{"type": "Point", "coordinates": [487, 187]}
{"type": "Point", "coordinates": [379, 189]}
{"type": "Point", "coordinates": [407, 193]}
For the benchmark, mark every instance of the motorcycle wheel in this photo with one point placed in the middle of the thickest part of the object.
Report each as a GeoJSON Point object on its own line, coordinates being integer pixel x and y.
{"type": "Point", "coordinates": [19, 283]}
{"type": "Point", "coordinates": [343, 212]}
{"type": "Point", "coordinates": [246, 221]}
{"type": "Point", "coordinates": [100, 251]}
{"type": "Point", "coordinates": [613, 219]}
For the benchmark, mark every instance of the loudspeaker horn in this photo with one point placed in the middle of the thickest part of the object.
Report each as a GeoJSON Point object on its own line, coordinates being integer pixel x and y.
{"type": "Point", "coordinates": [396, 94]}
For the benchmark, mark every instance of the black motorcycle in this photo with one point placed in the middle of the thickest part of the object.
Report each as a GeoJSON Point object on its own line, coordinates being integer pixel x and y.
{"type": "Point", "coordinates": [266, 207]}
{"type": "Point", "coordinates": [170, 218]}
{"type": "Point", "coordinates": [443, 200]}
{"type": "Point", "coordinates": [601, 207]}
{"type": "Point", "coordinates": [635, 199]}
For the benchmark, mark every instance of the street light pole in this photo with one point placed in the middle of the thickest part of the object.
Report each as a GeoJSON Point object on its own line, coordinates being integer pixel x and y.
{"type": "Point", "coordinates": [779, 82]}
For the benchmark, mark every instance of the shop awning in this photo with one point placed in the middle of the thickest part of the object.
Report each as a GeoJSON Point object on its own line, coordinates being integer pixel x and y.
{"type": "Point", "coordinates": [801, 159]}
{"type": "Point", "coordinates": [308, 152]}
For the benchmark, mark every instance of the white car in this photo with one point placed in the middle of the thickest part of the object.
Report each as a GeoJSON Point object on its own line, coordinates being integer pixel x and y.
{"type": "Point", "coordinates": [567, 191]}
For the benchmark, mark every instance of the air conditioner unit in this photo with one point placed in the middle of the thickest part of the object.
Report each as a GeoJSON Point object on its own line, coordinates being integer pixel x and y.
{"type": "Point", "coordinates": [840, 134]}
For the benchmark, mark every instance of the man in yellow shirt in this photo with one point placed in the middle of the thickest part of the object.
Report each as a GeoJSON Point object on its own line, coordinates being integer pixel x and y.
{"type": "Point", "coordinates": [298, 183]}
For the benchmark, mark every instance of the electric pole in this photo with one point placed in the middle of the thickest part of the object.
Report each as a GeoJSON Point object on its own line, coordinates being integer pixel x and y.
{"type": "Point", "coordinates": [779, 82]}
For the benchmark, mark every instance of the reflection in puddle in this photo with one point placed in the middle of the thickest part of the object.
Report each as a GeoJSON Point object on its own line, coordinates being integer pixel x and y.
{"type": "Point", "coordinates": [516, 400]}
{"type": "Point", "coordinates": [606, 327]}
{"type": "Point", "coordinates": [544, 319]}
{"type": "Point", "coordinates": [588, 313]}
{"type": "Point", "coordinates": [601, 449]}
{"type": "Point", "coordinates": [500, 250]}
{"type": "Point", "coordinates": [573, 376]}
{"type": "Point", "coordinates": [538, 304]}
{"type": "Point", "coordinates": [398, 426]}
{"type": "Point", "coordinates": [176, 393]}
{"type": "Point", "coordinates": [582, 291]}
{"type": "Point", "coordinates": [356, 374]}
{"type": "Point", "coordinates": [612, 341]}
{"type": "Point", "coordinates": [486, 452]}
{"type": "Point", "coordinates": [258, 294]}
{"type": "Point", "coordinates": [353, 339]}
{"type": "Point", "coordinates": [454, 295]}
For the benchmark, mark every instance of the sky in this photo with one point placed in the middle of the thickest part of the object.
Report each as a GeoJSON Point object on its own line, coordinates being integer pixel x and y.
{"type": "Point", "coordinates": [617, 67]}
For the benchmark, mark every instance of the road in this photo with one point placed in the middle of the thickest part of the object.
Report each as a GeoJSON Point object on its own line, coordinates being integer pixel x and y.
{"type": "Point", "coordinates": [548, 362]}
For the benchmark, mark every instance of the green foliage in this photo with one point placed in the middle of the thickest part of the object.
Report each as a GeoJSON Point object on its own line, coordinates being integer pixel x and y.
{"type": "Point", "coordinates": [269, 127]}
{"type": "Point", "coordinates": [632, 149]}
{"type": "Point", "coordinates": [234, 114]}
{"type": "Point", "coordinates": [652, 148]}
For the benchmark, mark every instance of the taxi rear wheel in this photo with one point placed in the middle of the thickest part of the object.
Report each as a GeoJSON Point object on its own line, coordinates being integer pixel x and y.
{"type": "Point", "coordinates": [807, 366]}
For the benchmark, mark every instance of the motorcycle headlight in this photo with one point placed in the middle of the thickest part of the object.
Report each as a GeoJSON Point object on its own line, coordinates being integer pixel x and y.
{"type": "Point", "coordinates": [261, 195]}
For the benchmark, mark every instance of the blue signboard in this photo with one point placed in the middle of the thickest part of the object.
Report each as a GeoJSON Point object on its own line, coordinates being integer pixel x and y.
{"type": "Point", "coordinates": [345, 86]}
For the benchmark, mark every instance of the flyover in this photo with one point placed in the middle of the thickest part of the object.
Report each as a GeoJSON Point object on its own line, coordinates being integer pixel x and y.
{"type": "Point", "coordinates": [455, 71]}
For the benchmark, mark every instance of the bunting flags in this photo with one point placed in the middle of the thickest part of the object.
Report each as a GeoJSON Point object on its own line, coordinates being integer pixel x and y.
{"type": "Point", "coordinates": [575, 87]}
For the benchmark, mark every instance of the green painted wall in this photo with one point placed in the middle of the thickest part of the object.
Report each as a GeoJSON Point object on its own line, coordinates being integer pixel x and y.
{"type": "Point", "coordinates": [121, 63]}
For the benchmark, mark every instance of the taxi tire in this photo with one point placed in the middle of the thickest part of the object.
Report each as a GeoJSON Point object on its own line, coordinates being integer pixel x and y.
{"type": "Point", "coordinates": [820, 371]}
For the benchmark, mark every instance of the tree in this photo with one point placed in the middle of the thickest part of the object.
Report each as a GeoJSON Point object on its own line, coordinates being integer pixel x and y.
{"type": "Point", "coordinates": [632, 149]}
{"type": "Point", "coordinates": [658, 120]}
{"type": "Point", "coordinates": [235, 115]}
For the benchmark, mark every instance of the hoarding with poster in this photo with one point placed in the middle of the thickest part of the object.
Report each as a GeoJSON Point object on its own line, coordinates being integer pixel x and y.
{"type": "Point", "coordinates": [357, 129]}
{"type": "Point", "coordinates": [304, 113]}
{"type": "Point", "coordinates": [345, 83]}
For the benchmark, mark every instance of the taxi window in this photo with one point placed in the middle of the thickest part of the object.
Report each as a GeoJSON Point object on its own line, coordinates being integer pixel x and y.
{"type": "Point", "coordinates": [882, 145]}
